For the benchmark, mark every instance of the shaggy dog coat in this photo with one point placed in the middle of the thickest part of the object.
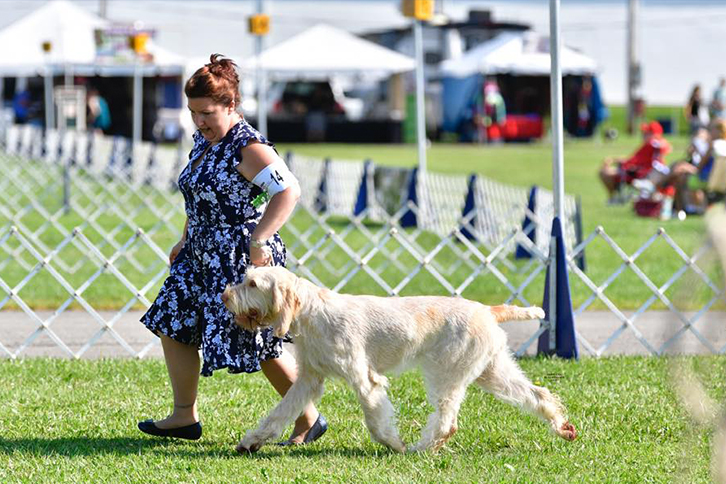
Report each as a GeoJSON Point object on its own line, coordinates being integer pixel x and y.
{"type": "Point", "coordinates": [453, 341]}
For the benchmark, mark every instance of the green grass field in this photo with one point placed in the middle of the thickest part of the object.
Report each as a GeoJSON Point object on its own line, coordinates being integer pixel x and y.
{"type": "Point", "coordinates": [75, 421]}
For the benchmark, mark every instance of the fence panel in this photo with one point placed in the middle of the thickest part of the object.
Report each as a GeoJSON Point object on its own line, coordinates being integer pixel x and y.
{"type": "Point", "coordinates": [91, 238]}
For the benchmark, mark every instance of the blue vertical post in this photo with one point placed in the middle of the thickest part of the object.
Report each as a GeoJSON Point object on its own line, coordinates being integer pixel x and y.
{"type": "Point", "coordinates": [321, 199]}
{"type": "Point", "coordinates": [469, 207]}
{"type": "Point", "coordinates": [561, 315]}
{"type": "Point", "coordinates": [578, 233]}
{"type": "Point", "coordinates": [361, 201]}
{"type": "Point", "coordinates": [528, 226]}
{"type": "Point", "coordinates": [410, 218]}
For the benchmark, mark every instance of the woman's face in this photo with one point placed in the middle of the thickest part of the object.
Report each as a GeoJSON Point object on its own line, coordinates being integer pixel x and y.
{"type": "Point", "coordinates": [212, 119]}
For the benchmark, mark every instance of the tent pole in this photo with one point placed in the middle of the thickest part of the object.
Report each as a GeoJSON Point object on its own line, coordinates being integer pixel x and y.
{"type": "Point", "coordinates": [48, 88]}
{"type": "Point", "coordinates": [261, 78]}
{"type": "Point", "coordinates": [420, 114]}
{"type": "Point", "coordinates": [558, 183]}
{"type": "Point", "coordinates": [633, 68]}
{"type": "Point", "coordinates": [138, 94]}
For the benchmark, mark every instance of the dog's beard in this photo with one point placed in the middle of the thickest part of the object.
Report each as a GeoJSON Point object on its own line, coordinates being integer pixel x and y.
{"type": "Point", "coordinates": [246, 313]}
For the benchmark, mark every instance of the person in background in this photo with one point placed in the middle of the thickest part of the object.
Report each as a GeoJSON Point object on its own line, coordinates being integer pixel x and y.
{"type": "Point", "coordinates": [584, 109]}
{"type": "Point", "coordinates": [714, 162]}
{"type": "Point", "coordinates": [648, 160]}
{"type": "Point", "coordinates": [718, 104]}
{"type": "Point", "coordinates": [21, 106]}
{"type": "Point", "coordinates": [99, 115]}
{"type": "Point", "coordinates": [690, 197]}
{"type": "Point", "coordinates": [693, 109]}
{"type": "Point", "coordinates": [495, 112]}
{"type": "Point", "coordinates": [238, 193]}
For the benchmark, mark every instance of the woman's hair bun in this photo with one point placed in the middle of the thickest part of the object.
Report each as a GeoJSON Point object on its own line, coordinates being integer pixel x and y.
{"type": "Point", "coordinates": [222, 66]}
{"type": "Point", "coordinates": [217, 80]}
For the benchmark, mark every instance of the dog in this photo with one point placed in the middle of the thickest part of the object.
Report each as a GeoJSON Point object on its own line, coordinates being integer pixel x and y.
{"type": "Point", "coordinates": [454, 341]}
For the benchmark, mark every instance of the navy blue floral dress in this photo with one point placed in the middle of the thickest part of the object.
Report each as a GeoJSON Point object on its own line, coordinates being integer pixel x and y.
{"type": "Point", "coordinates": [221, 218]}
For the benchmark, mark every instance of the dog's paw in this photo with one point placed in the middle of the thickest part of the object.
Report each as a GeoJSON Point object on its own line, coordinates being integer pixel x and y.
{"type": "Point", "coordinates": [400, 448]}
{"type": "Point", "coordinates": [249, 444]}
{"type": "Point", "coordinates": [247, 448]}
{"type": "Point", "coordinates": [567, 431]}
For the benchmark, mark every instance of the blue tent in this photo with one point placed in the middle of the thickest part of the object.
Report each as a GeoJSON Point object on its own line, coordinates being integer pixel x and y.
{"type": "Point", "coordinates": [513, 53]}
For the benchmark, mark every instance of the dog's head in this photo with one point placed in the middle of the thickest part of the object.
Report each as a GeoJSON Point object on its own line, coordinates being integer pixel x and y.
{"type": "Point", "coordinates": [266, 297]}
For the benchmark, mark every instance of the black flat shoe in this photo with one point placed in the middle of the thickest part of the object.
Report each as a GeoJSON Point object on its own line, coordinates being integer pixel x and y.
{"type": "Point", "coordinates": [316, 431]}
{"type": "Point", "coordinates": [189, 432]}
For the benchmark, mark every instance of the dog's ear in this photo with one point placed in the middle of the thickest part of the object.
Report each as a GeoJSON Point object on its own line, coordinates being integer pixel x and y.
{"type": "Point", "coordinates": [285, 304]}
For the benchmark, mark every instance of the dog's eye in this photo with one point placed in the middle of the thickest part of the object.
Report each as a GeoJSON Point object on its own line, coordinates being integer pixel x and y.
{"type": "Point", "coordinates": [253, 283]}
{"type": "Point", "coordinates": [253, 313]}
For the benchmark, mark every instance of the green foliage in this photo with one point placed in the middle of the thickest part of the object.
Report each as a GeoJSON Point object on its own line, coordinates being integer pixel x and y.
{"type": "Point", "coordinates": [75, 421]}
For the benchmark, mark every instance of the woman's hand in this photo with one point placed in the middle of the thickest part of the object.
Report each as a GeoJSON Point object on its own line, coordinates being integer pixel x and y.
{"type": "Point", "coordinates": [175, 251]}
{"type": "Point", "coordinates": [261, 256]}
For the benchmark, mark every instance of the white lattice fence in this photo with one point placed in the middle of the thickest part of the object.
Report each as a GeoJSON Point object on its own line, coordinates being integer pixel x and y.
{"type": "Point", "coordinates": [88, 255]}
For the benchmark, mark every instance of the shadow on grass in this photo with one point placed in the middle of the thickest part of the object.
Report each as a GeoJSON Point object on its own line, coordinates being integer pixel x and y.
{"type": "Point", "coordinates": [85, 446]}
{"type": "Point", "coordinates": [120, 446]}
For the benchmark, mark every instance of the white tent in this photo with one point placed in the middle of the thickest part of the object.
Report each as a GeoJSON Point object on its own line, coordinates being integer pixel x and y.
{"type": "Point", "coordinates": [524, 53]}
{"type": "Point", "coordinates": [324, 51]}
{"type": "Point", "coordinates": [70, 29]}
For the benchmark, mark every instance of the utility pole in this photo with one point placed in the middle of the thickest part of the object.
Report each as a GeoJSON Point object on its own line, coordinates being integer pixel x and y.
{"type": "Point", "coordinates": [259, 26]}
{"type": "Point", "coordinates": [633, 64]}
{"type": "Point", "coordinates": [419, 11]}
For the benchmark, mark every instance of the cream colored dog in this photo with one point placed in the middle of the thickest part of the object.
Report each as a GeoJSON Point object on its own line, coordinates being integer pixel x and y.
{"type": "Point", "coordinates": [359, 338]}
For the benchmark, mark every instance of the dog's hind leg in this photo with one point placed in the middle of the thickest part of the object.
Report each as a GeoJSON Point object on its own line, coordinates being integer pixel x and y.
{"type": "Point", "coordinates": [446, 397]}
{"type": "Point", "coordinates": [506, 381]}
{"type": "Point", "coordinates": [307, 388]}
{"type": "Point", "coordinates": [380, 416]}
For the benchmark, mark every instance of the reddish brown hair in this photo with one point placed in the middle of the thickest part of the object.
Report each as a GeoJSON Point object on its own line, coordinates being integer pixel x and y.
{"type": "Point", "coordinates": [217, 80]}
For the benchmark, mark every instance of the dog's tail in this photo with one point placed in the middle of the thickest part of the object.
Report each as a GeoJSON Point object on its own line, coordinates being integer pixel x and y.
{"type": "Point", "coordinates": [506, 312]}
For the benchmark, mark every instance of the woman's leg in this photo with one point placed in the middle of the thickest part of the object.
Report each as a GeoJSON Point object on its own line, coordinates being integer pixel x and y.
{"type": "Point", "coordinates": [182, 363]}
{"type": "Point", "coordinates": [282, 372]}
{"type": "Point", "coordinates": [609, 176]}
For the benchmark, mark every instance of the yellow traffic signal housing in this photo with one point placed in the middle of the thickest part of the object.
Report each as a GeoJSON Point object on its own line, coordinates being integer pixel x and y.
{"type": "Point", "coordinates": [418, 9]}
{"type": "Point", "coordinates": [259, 24]}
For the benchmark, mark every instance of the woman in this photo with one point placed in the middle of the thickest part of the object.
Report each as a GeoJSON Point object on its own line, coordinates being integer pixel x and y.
{"type": "Point", "coordinates": [692, 109]}
{"type": "Point", "coordinates": [232, 172]}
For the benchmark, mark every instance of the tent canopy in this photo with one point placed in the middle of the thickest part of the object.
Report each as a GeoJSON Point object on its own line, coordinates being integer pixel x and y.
{"type": "Point", "coordinates": [324, 51]}
{"type": "Point", "coordinates": [70, 29]}
{"type": "Point", "coordinates": [522, 53]}
{"type": "Point", "coordinates": [510, 53]}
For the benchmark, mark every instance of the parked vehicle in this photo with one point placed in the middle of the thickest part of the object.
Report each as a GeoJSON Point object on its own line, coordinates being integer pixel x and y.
{"type": "Point", "coordinates": [299, 98]}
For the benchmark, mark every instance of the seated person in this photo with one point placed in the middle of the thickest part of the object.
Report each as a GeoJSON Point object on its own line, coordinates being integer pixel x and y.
{"type": "Point", "coordinates": [688, 197]}
{"type": "Point", "coordinates": [649, 160]}
{"type": "Point", "coordinates": [715, 163]}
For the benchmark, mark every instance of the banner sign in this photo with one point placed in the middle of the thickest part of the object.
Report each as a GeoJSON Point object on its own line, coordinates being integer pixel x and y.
{"type": "Point", "coordinates": [123, 44]}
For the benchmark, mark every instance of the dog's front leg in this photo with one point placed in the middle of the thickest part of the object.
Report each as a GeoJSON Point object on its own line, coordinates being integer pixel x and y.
{"type": "Point", "coordinates": [307, 388]}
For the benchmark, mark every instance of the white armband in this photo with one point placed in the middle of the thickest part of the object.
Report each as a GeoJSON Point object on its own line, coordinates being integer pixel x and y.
{"type": "Point", "coordinates": [274, 178]}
